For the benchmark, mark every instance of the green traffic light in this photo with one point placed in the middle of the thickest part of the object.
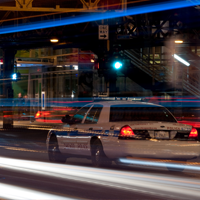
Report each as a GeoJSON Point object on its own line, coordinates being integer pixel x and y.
{"type": "Point", "coordinates": [14, 76]}
{"type": "Point", "coordinates": [117, 65]}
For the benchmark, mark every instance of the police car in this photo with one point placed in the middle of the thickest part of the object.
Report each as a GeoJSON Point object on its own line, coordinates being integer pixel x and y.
{"type": "Point", "coordinates": [110, 130]}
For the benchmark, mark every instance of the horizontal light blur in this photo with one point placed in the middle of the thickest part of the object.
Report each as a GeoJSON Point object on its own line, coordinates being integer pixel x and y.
{"type": "Point", "coordinates": [56, 108]}
{"type": "Point", "coordinates": [14, 192]}
{"type": "Point", "coordinates": [134, 181]}
{"type": "Point", "coordinates": [159, 164]}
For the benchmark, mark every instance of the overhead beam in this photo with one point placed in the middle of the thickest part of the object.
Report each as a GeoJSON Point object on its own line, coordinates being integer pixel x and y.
{"type": "Point", "coordinates": [41, 9]}
{"type": "Point", "coordinates": [95, 3]}
{"type": "Point", "coordinates": [26, 5]}
{"type": "Point", "coordinates": [23, 3]}
{"type": "Point", "coordinates": [85, 5]}
{"type": "Point", "coordinates": [90, 5]}
{"type": "Point", "coordinates": [5, 16]}
{"type": "Point", "coordinates": [29, 4]}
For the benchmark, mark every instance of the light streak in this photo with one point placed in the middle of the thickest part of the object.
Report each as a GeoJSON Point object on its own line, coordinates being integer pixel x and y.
{"type": "Point", "coordinates": [97, 16]}
{"type": "Point", "coordinates": [14, 192]}
{"type": "Point", "coordinates": [21, 149]}
{"type": "Point", "coordinates": [195, 124]}
{"type": "Point", "coordinates": [111, 178]}
{"type": "Point", "coordinates": [159, 164]}
{"type": "Point", "coordinates": [181, 60]}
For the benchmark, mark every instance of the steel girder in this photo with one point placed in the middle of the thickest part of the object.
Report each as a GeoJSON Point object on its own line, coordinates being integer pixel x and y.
{"type": "Point", "coordinates": [27, 6]}
{"type": "Point", "coordinates": [144, 30]}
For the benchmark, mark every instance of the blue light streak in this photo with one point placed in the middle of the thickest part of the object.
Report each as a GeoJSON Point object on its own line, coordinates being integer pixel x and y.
{"type": "Point", "coordinates": [158, 164]}
{"type": "Point", "coordinates": [97, 16]}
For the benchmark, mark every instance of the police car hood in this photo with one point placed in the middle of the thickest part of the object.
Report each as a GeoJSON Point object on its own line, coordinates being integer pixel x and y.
{"type": "Point", "coordinates": [152, 125]}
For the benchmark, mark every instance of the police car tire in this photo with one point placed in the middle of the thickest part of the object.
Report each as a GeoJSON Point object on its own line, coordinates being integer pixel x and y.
{"type": "Point", "coordinates": [99, 158]}
{"type": "Point", "coordinates": [54, 152]}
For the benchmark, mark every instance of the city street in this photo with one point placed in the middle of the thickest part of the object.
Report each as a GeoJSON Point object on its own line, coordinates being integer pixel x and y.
{"type": "Point", "coordinates": [24, 164]}
{"type": "Point", "coordinates": [99, 99]}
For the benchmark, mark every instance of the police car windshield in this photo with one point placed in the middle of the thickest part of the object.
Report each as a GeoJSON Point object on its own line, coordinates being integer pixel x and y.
{"type": "Point", "coordinates": [139, 113]}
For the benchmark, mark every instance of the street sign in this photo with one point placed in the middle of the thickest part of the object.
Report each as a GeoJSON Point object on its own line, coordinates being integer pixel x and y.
{"type": "Point", "coordinates": [103, 32]}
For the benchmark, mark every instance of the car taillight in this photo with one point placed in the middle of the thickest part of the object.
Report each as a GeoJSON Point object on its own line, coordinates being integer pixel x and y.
{"type": "Point", "coordinates": [38, 114]}
{"type": "Point", "coordinates": [126, 131]}
{"type": "Point", "coordinates": [46, 113]}
{"type": "Point", "coordinates": [193, 133]}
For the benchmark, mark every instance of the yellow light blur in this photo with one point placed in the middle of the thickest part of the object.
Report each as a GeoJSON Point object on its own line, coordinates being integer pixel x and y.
{"type": "Point", "coordinates": [92, 60]}
{"type": "Point", "coordinates": [178, 41]}
{"type": "Point", "coordinates": [54, 40]}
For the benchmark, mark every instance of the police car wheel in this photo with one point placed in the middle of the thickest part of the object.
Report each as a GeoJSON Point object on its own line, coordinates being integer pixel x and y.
{"type": "Point", "coordinates": [53, 151]}
{"type": "Point", "coordinates": [99, 159]}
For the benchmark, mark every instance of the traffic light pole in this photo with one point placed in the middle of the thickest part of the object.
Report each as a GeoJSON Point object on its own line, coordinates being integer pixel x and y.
{"type": "Point", "coordinates": [8, 70]}
{"type": "Point", "coordinates": [111, 79]}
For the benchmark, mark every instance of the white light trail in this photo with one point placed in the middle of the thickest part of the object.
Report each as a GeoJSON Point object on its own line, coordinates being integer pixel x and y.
{"type": "Point", "coordinates": [181, 60]}
{"type": "Point", "coordinates": [139, 182]}
{"type": "Point", "coordinates": [14, 192]}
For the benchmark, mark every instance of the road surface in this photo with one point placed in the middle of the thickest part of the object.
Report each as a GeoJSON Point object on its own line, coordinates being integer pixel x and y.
{"type": "Point", "coordinates": [25, 172]}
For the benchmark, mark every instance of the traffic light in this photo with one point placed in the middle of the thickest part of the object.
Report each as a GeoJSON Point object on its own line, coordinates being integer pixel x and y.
{"type": "Point", "coordinates": [118, 65]}
{"type": "Point", "coordinates": [16, 76]}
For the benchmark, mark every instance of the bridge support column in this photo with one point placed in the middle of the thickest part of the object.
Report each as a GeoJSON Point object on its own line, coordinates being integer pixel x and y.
{"type": "Point", "coordinates": [8, 70]}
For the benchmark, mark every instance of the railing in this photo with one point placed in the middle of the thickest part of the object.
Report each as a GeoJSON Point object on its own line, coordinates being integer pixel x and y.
{"type": "Point", "coordinates": [190, 83]}
{"type": "Point", "coordinates": [156, 70]}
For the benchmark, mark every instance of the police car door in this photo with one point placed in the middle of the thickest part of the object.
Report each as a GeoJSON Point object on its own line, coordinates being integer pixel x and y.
{"type": "Point", "coordinates": [73, 131]}
{"type": "Point", "coordinates": [88, 129]}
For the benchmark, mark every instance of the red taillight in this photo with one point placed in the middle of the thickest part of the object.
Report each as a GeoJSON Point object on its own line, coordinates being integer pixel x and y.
{"type": "Point", "coordinates": [46, 113]}
{"type": "Point", "coordinates": [126, 131]}
{"type": "Point", "coordinates": [193, 133]}
{"type": "Point", "coordinates": [38, 114]}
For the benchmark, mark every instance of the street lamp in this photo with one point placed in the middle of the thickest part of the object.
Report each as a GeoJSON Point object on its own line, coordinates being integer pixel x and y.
{"type": "Point", "coordinates": [54, 40]}
{"type": "Point", "coordinates": [178, 41]}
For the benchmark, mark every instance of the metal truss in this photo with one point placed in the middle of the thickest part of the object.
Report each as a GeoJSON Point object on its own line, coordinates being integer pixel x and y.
{"type": "Point", "coordinates": [151, 27]}
{"type": "Point", "coordinates": [145, 30]}
{"type": "Point", "coordinates": [26, 5]}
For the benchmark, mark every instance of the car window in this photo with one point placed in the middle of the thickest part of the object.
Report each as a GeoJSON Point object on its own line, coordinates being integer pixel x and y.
{"type": "Point", "coordinates": [139, 113]}
{"type": "Point", "coordinates": [78, 117]}
{"type": "Point", "coordinates": [93, 114]}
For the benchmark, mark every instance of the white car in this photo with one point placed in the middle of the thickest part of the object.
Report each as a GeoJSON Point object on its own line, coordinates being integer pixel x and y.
{"type": "Point", "coordinates": [109, 130]}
